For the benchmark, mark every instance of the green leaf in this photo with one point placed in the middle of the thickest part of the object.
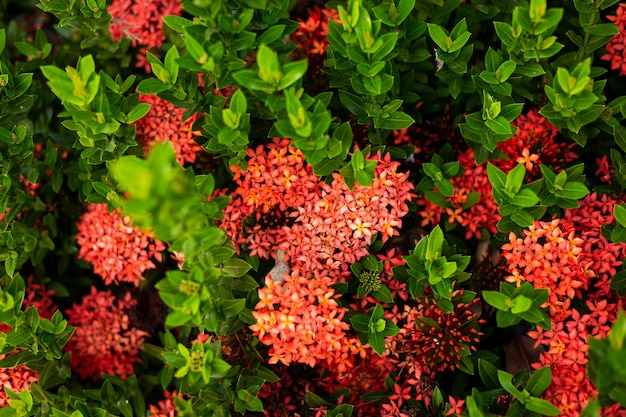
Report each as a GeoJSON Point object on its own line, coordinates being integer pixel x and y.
{"type": "Point", "coordinates": [497, 178]}
{"type": "Point", "coordinates": [396, 121]}
{"type": "Point", "coordinates": [539, 381]}
{"type": "Point", "coordinates": [137, 112]}
{"type": "Point", "coordinates": [515, 178]}
{"type": "Point", "coordinates": [619, 212]}
{"type": "Point", "coordinates": [177, 23]}
{"type": "Point", "coordinates": [618, 281]}
{"type": "Point", "coordinates": [488, 373]}
{"type": "Point", "coordinates": [602, 29]}
{"type": "Point", "coordinates": [522, 218]}
{"type": "Point", "coordinates": [572, 190]}
{"type": "Point", "coordinates": [3, 39]}
{"type": "Point", "coordinates": [383, 294]}
{"type": "Point", "coordinates": [171, 63]}
{"type": "Point", "coordinates": [360, 322]}
{"type": "Point", "coordinates": [293, 71]}
{"type": "Point", "coordinates": [439, 36]}
{"type": "Point", "coordinates": [313, 400]}
{"type": "Point", "coordinates": [497, 300]}
{"type": "Point", "coordinates": [152, 86]}
{"type": "Point", "coordinates": [235, 267]}
{"type": "Point", "coordinates": [405, 7]}
{"type": "Point", "coordinates": [521, 304]}
{"type": "Point", "coordinates": [231, 308]}
{"type": "Point", "coordinates": [543, 407]}
{"type": "Point", "coordinates": [525, 198]}
{"type": "Point", "coordinates": [435, 241]}
{"type": "Point", "coordinates": [133, 175]}
{"type": "Point", "coordinates": [505, 70]}
{"type": "Point", "coordinates": [506, 381]}
{"type": "Point", "coordinates": [377, 342]}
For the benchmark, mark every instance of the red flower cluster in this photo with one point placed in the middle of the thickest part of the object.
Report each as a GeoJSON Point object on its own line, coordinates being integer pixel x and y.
{"type": "Point", "coordinates": [19, 378]}
{"type": "Point", "coordinates": [481, 215]}
{"type": "Point", "coordinates": [548, 257]}
{"type": "Point", "coordinates": [141, 22]}
{"type": "Point", "coordinates": [41, 298]}
{"type": "Point", "coordinates": [311, 35]}
{"type": "Point", "coordinates": [165, 407]}
{"type": "Point", "coordinates": [280, 201]}
{"type": "Point", "coordinates": [571, 258]}
{"type": "Point", "coordinates": [104, 341]}
{"type": "Point", "coordinates": [165, 122]}
{"type": "Point", "coordinates": [533, 143]}
{"type": "Point", "coordinates": [118, 251]}
{"type": "Point", "coordinates": [439, 339]}
{"type": "Point", "coordinates": [616, 48]}
{"type": "Point", "coordinates": [16, 379]}
{"type": "Point", "coordinates": [301, 322]}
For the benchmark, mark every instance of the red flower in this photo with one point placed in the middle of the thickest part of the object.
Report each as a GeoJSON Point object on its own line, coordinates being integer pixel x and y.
{"type": "Point", "coordinates": [16, 379]}
{"type": "Point", "coordinates": [103, 341]}
{"type": "Point", "coordinates": [280, 201]}
{"type": "Point", "coordinates": [165, 407]}
{"type": "Point", "coordinates": [165, 122]}
{"type": "Point", "coordinates": [615, 48]}
{"type": "Point", "coordinates": [118, 251]}
{"type": "Point", "coordinates": [301, 321]}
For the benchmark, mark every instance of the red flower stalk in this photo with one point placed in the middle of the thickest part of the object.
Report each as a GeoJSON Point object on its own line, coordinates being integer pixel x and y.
{"type": "Point", "coordinates": [118, 251]}
{"type": "Point", "coordinates": [165, 122]}
{"type": "Point", "coordinates": [103, 341]}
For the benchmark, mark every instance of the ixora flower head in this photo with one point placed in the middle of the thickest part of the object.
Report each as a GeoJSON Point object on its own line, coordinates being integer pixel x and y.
{"type": "Point", "coordinates": [15, 379]}
{"type": "Point", "coordinates": [118, 251]}
{"type": "Point", "coordinates": [280, 201]}
{"type": "Point", "coordinates": [166, 122]}
{"type": "Point", "coordinates": [141, 21]}
{"type": "Point", "coordinates": [104, 341]}
{"type": "Point", "coordinates": [300, 320]}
